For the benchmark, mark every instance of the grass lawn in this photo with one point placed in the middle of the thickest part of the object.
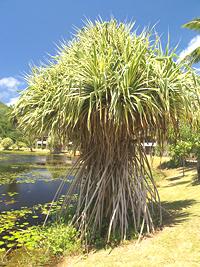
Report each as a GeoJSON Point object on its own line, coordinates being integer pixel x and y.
{"type": "Point", "coordinates": [178, 244]}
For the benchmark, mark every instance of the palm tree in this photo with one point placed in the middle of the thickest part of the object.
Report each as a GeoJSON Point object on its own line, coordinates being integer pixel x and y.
{"type": "Point", "coordinates": [194, 56]}
{"type": "Point", "coordinates": [193, 24]}
{"type": "Point", "coordinates": [108, 90]}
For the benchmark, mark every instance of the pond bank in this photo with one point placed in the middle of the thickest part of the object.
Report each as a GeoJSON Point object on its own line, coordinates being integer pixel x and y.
{"type": "Point", "coordinates": [28, 184]}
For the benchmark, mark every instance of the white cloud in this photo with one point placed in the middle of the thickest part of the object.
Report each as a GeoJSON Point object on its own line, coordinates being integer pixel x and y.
{"type": "Point", "coordinates": [9, 83]}
{"type": "Point", "coordinates": [9, 89]}
{"type": "Point", "coordinates": [12, 101]}
{"type": "Point", "coordinates": [193, 44]}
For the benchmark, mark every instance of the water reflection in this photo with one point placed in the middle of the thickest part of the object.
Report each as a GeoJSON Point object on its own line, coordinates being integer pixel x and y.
{"type": "Point", "coordinates": [13, 187]}
{"type": "Point", "coordinates": [52, 159]}
{"type": "Point", "coordinates": [36, 185]}
{"type": "Point", "coordinates": [29, 194]}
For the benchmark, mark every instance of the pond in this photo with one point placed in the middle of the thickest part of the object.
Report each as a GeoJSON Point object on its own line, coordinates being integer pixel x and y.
{"type": "Point", "coordinates": [28, 184]}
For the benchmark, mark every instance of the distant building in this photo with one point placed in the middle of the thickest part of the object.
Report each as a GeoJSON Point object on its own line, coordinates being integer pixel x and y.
{"type": "Point", "coordinates": [149, 147]}
{"type": "Point", "coordinates": [42, 143]}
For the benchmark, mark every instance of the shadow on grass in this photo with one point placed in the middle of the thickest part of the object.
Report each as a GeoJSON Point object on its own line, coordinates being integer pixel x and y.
{"type": "Point", "coordinates": [174, 178]}
{"type": "Point", "coordinates": [171, 164]}
{"type": "Point", "coordinates": [195, 180]}
{"type": "Point", "coordinates": [174, 212]}
{"type": "Point", "coordinates": [177, 183]}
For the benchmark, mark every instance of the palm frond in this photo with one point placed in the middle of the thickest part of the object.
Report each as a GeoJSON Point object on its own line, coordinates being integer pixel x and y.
{"type": "Point", "coordinates": [193, 24]}
{"type": "Point", "coordinates": [193, 57]}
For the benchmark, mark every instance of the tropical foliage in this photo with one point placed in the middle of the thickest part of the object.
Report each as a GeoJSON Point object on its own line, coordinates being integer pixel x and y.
{"type": "Point", "coordinates": [7, 129]}
{"type": "Point", "coordinates": [194, 56]}
{"type": "Point", "coordinates": [185, 144]}
{"type": "Point", "coordinates": [6, 143]}
{"type": "Point", "coordinates": [181, 150]}
{"type": "Point", "coordinates": [108, 90]}
{"type": "Point", "coordinates": [193, 24]}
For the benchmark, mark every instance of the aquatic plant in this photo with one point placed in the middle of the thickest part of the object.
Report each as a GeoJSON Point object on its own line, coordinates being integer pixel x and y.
{"type": "Point", "coordinates": [30, 173]}
{"type": "Point", "coordinates": [23, 227]}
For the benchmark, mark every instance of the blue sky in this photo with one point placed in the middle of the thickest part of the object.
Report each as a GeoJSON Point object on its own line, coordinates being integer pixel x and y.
{"type": "Point", "coordinates": [30, 30]}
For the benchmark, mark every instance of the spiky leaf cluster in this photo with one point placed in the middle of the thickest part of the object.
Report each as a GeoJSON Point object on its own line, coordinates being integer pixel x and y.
{"type": "Point", "coordinates": [112, 73]}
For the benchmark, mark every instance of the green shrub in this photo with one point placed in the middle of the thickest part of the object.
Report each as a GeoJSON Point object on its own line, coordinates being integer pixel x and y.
{"type": "Point", "coordinates": [196, 148]}
{"type": "Point", "coordinates": [58, 239]}
{"type": "Point", "coordinates": [62, 239]}
{"type": "Point", "coordinates": [6, 143]}
{"type": "Point", "coordinates": [20, 144]}
{"type": "Point", "coordinates": [180, 150]}
{"type": "Point", "coordinates": [14, 147]}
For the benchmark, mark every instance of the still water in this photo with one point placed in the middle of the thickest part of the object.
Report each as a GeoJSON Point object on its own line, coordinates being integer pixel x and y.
{"type": "Point", "coordinates": [28, 184]}
{"type": "Point", "coordinates": [28, 180]}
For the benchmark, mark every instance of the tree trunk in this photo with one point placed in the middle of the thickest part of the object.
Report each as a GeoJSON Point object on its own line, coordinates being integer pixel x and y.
{"type": "Point", "coordinates": [183, 165]}
{"type": "Point", "coordinates": [57, 149]}
{"type": "Point", "coordinates": [198, 169]}
{"type": "Point", "coordinates": [115, 187]}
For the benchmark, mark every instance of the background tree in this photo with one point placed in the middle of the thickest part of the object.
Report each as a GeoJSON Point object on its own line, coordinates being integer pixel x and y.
{"type": "Point", "coordinates": [7, 127]}
{"type": "Point", "coordinates": [20, 144]}
{"type": "Point", "coordinates": [192, 58]}
{"type": "Point", "coordinates": [30, 140]}
{"type": "Point", "coordinates": [180, 152]}
{"type": "Point", "coordinates": [56, 144]}
{"type": "Point", "coordinates": [108, 90]}
{"type": "Point", "coordinates": [185, 143]}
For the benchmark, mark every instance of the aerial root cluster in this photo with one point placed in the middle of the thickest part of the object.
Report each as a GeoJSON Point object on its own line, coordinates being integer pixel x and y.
{"type": "Point", "coordinates": [116, 192]}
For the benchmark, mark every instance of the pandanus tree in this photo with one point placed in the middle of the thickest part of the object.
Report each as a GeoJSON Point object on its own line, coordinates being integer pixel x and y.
{"type": "Point", "coordinates": [108, 90]}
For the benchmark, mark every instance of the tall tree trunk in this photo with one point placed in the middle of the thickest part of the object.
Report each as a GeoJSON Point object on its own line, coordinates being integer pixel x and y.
{"type": "Point", "coordinates": [198, 169]}
{"type": "Point", "coordinates": [115, 187]}
{"type": "Point", "coordinates": [183, 165]}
